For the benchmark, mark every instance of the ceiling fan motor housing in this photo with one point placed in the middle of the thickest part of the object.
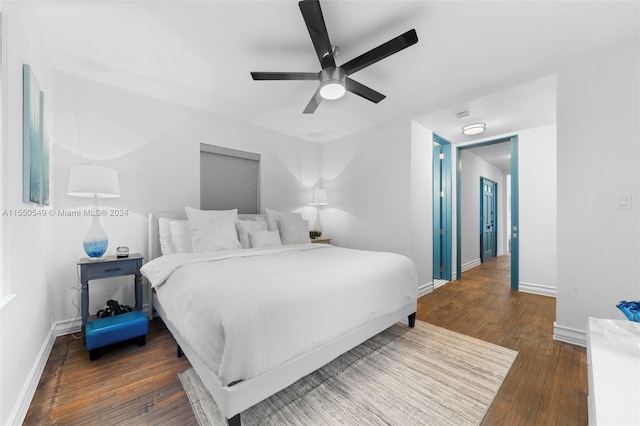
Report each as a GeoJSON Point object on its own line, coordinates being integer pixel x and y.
{"type": "Point", "coordinates": [332, 82]}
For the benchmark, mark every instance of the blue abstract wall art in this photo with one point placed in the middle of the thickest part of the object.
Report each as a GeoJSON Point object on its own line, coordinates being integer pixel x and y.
{"type": "Point", "coordinates": [35, 167]}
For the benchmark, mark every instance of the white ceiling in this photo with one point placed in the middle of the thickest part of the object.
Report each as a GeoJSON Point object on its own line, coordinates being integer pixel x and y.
{"type": "Point", "coordinates": [199, 54]}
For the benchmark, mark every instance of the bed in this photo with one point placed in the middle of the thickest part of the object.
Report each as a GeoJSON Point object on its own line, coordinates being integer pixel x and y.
{"type": "Point", "coordinates": [253, 321]}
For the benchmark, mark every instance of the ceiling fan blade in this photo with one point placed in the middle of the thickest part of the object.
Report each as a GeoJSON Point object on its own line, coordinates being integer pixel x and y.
{"type": "Point", "coordinates": [313, 103]}
{"type": "Point", "coordinates": [312, 14]}
{"type": "Point", "coordinates": [284, 75]}
{"type": "Point", "coordinates": [362, 90]}
{"type": "Point", "coordinates": [378, 53]}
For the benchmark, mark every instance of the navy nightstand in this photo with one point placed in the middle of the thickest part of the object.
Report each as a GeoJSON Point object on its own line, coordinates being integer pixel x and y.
{"type": "Point", "coordinates": [105, 331]}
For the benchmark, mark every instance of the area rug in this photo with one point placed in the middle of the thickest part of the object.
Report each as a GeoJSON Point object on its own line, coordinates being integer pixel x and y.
{"type": "Point", "coordinates": [425, 375]}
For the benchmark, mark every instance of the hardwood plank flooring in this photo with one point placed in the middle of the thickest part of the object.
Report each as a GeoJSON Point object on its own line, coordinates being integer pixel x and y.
{"type": "Point", "coordinates": [547, 384]}
{"type": "Point", "coordinates": [135, 385]}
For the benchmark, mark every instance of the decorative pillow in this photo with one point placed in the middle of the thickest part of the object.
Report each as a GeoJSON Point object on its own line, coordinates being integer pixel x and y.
{"type": "Point", "coordinates": [245, 227]}
{"type": "Point", "coordinates": [195, 214]}
{"type": "Point", "coordinates": [293, 230]}
{"type": "Point", "coordinates": [166, 246]}
{"type": "Point", "coordinates": [265, 239]}
{"type": "Point", "coordinates": [273, 216]}
{"type": "Point", "coordinates": [180, 236]}
{"type": "Point", "coordinates": [214, 235]}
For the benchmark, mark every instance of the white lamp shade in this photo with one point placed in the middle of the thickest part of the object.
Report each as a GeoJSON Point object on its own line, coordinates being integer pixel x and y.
{"type": "Point", "coordinates": [93, 181]}
{"type": "Point", "coordinates": [318, 197]}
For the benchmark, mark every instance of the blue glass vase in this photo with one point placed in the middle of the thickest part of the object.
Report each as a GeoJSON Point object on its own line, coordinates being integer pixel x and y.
{"type": "Point", "coordinates": [95, 240]}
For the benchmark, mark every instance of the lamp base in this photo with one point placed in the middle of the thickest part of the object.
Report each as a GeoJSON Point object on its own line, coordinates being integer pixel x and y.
{"type": "Point", "coordinates": [95, 248]}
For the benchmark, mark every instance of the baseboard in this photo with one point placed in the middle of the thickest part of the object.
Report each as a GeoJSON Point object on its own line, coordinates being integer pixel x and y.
{"type": "Point", "coordinates": [539, 289]}
{"type": "Point", "coordinates": [425, 289]}
{"type": "Point", "coordinates": [67, 327]}
{"type": "Point", "coordinates": [571, 335]}
{"type": "Point", "coordinates": [439, 283]}
{"type": "Point", "coordinates": [471, 265]}
{"type": "Point", "coordinates": [19, 412]}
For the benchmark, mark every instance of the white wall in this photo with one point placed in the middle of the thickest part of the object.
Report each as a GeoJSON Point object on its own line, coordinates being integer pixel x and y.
{"type": "Point", "coordinates": [25, 322]}
{"type": "Point", "coordinates": [598, 160]}
{"type": "Point", "coordinates": [379, 187]}
{"type": "Point", "coordinates": [422, 204]}
{"type": "Point", "coordinates": [367, 177]}
{"type": "Point", "coordinates": [154, 146]}
{"type": "Point", "coordinates": [473, 168]}
{"type": "Point", "coordinates": [538, 231]}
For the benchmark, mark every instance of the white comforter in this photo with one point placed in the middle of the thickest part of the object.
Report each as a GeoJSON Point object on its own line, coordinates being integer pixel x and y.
{"type": "Point", "coordinates": [245, 312]}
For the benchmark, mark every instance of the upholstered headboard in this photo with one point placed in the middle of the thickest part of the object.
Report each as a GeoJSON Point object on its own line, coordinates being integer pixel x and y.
{"type": "Point", "coordinates": [154, 234]}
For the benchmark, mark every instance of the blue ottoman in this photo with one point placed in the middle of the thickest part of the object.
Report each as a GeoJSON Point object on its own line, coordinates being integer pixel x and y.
{"type": "Point", "coordinates": [106, 331]}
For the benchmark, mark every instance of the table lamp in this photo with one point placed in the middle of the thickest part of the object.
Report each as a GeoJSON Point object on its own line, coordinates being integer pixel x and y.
{"type": "Point", "coordinates": [318, 198]}
{"type": "Point", "coordinates": [93, 181]}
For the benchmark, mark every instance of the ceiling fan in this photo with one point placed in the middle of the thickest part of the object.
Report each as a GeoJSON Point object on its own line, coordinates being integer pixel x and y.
{"type": "Point", "coordinates": [334, 80]}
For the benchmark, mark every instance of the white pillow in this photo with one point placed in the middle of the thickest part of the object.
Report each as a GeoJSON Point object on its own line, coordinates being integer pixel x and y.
{"type": "Point", "coordinates": [265, 239]}
{"type": "Point", "coordinates": [166, 246]}
{"type": "Point", "coordinates": [293, 230]}
{"type": "Point", "coordinates": [214, 235]}
{"type": "Point", "coordinates": [195, 214]}
{"type": "Point", "coordinates": [245, 227]}
{"type": "Point", "coordinates": [273, 216]}
{"type": "Point", "coordinates": [180, 236]}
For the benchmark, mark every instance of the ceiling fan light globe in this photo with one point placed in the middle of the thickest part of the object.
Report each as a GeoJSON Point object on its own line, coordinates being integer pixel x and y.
{"type": "Point", "coordinates": [331, 90]}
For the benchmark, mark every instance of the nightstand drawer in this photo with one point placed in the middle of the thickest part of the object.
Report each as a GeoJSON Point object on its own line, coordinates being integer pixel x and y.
{"type": "Point", "coordinates": [93, 270]}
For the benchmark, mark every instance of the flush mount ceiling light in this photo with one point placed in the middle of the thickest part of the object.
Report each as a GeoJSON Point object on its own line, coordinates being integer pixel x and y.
{"type": "Point", "coordinates": [474, 128]}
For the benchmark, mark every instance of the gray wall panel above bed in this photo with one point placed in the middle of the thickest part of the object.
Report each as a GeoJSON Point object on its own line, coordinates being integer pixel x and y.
{"type": "Point", "coordinates": [229, 179]}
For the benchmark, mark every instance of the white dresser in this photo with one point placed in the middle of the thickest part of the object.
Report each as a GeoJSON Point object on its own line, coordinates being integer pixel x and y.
{"type": "Point", "coordinates": [613, 359]}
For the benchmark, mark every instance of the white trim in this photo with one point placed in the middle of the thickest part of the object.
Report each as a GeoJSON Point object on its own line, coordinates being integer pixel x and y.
{"type": "Point", "coordinates": [539, 289]}
{"type": "Point", "coordinates": [19, 411]}
{"type": "Point", "coordinates": [571, 335]}
{"type": "Point", "coordinates": [439, 283]}
{"type": "Point", "coordinates": [425, 289]}
{"type": "Point", "coordinates": [470, 265]}
{"type": "Point", "coordinates": [62, 328]}
{"type": "Point", "coordinates": [5, 288]}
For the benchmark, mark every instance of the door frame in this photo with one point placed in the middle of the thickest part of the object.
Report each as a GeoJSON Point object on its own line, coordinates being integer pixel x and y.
{"type": "Point", "coordinates": [443, 250]}
{"type": "Point", "coordinates": [515, 223]}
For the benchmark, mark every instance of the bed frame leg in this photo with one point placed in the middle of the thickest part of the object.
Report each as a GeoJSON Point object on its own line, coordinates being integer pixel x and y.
{"type": "Point", "coordinates": [412, 320]}
{"type": "Point", "coordinates": [179, 351]}
{"type": "Point", "coordinates": [234, 421]}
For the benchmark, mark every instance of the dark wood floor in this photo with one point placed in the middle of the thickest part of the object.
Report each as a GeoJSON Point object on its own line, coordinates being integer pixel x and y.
{"type": "Point", "coordinates": [547, 384]}
{"type": "Point", "coordinates": [132, 385]}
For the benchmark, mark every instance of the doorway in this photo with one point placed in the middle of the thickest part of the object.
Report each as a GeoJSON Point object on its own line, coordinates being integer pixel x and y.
{"type": "Point", "coordinates": [442, 211]}
{"type": "Point", "coordinates": [513, 231]}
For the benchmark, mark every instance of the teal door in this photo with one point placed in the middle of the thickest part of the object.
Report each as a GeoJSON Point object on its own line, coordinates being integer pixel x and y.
{"type": "Point", "coordinates": [442, 200]}
{"type": "Point", "coordinates": [488, 219]}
